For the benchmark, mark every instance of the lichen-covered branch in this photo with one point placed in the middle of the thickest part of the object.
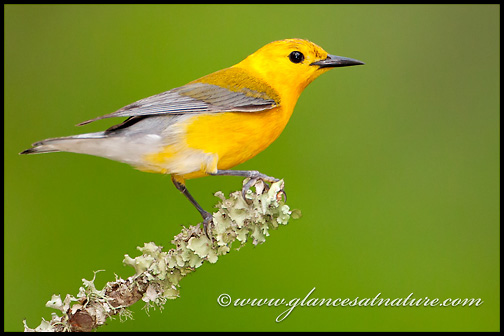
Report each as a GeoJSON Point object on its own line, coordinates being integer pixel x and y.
{"type": "Point", "coordinates": [158, 273]}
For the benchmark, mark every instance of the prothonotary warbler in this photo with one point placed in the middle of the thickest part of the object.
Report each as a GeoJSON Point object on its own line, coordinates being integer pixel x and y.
{"type": "Point", "coordinates": [211, 124]}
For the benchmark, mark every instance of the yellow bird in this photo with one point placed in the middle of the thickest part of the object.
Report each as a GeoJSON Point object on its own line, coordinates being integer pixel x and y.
{"type": "Point", "coordinates": [211, 124]}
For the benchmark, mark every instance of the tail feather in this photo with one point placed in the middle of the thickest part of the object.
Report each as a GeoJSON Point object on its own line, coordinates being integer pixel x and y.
{"type": "Point", "coordinates": [38, 150]}
{"type": "Point", "coordinates": [62, 144]}
{"type": "Point", "coordinates": [122, 147]}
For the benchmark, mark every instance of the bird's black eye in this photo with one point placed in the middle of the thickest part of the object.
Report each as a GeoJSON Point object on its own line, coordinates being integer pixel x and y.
{"type": "Point", "coordinates": [296, 57]}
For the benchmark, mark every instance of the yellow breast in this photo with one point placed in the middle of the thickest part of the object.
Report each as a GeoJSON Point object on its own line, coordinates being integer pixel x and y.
{"type": "Point", "coordinates": [236, 136]}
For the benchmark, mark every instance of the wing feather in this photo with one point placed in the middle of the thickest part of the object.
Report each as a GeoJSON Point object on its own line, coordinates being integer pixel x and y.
{"type": "Point", "coordinates": [194, 98]}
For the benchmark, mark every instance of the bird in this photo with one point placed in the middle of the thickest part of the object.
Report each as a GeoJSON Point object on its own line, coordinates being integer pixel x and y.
{"type": "Point", "coordinates": [211, 124]}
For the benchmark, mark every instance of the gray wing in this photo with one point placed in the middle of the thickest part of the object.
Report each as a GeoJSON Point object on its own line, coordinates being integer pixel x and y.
{"type": "Point", "coordinates": [194, 98]}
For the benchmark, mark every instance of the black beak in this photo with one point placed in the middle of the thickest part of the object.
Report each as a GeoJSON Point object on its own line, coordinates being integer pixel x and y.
{"type": "Point", "coordinates": [333, 61]}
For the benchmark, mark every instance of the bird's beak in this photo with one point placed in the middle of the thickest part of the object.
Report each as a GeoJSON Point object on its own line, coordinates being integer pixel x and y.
{"type": "Point", "coordinates": [333, 61]}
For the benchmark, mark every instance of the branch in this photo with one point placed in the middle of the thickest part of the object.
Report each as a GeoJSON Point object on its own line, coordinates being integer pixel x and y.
{"type": "Point", "coordinates": [158, 274]}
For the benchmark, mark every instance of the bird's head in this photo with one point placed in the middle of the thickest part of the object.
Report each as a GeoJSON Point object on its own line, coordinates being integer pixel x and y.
{"type": "Point", "coordinates": [290, 65]}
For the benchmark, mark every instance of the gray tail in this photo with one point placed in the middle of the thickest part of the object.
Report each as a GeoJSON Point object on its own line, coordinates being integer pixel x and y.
{"type": "Point", "coordinates": [63, 144]}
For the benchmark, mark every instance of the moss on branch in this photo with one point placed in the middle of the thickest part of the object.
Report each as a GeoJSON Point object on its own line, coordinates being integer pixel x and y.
{"type": "Point", "coordinates": [158, 273]}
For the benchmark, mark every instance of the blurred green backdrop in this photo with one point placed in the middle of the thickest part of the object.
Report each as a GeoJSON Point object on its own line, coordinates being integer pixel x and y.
{"type": "Point", "coordinates": [395, 164]}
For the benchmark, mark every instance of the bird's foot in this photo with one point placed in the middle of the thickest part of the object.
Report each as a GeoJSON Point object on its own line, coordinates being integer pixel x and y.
{"type": "Point", "coordinates": [254, 178]}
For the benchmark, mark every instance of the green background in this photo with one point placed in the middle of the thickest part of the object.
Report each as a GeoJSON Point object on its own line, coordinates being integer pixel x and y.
{"type": "Point", "coordinates": [395, 164]}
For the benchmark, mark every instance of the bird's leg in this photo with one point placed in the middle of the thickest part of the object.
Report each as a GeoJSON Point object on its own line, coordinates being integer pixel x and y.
{"type": "Point", "coordinates": [253, 175]}
{"type": "Point", "coordinates": [207, 216]}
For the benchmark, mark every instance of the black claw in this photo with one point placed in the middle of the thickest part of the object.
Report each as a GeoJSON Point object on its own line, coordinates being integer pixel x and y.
{"type": "Point", "coordinates": [207, 220]}
{"type": "Point", "coordinates": [266, 186]}
{"type": "Point", "coordinates": [282, 192]}
{"type": "Point", "coordinates": [246, 187]}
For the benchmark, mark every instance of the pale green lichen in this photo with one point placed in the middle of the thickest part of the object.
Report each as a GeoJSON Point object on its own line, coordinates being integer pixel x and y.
{"type": "Point", "coordinates": [158, 273]}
